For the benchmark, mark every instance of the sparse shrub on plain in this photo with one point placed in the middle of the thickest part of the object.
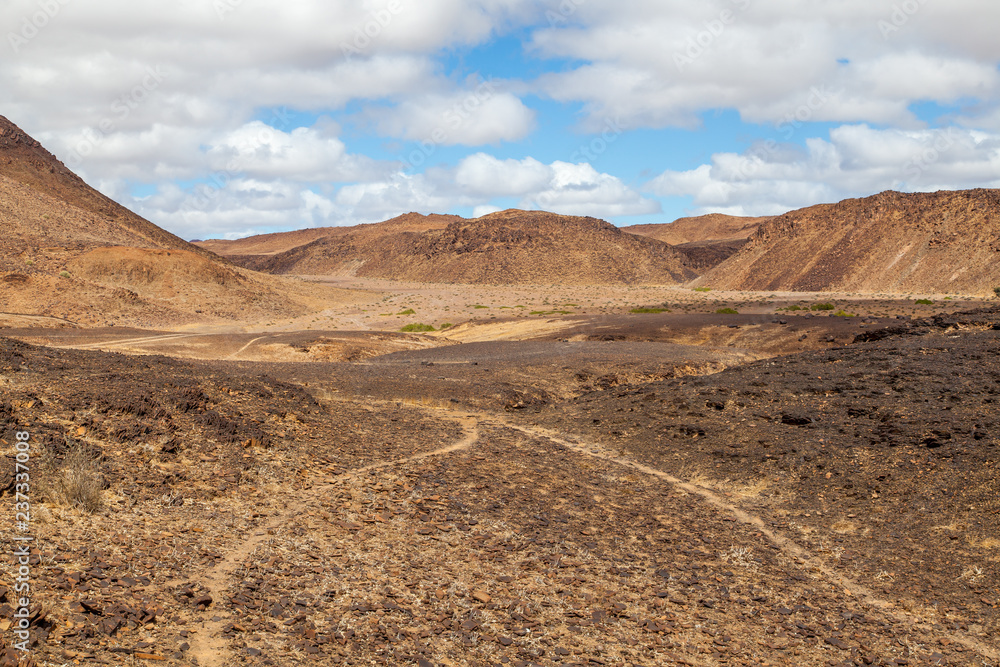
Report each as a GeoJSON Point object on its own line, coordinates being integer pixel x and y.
{"type": "Point", "coordinates": [408, 311]}
{"type": "Point", "coordinates": [64, 274]}
{"type": "Point", "coordinates": [702, 289]}
{"type": "Point", "coordinates": [727, 311]}
{"type": "Point", "coordinates": [823, 306]}
{"type": "Point", "coordinates": [446, 325]}
{"type": "Point", "coordinates": [76, 481]}
{"type": "Point", "coordinates": [650, 310]}
{"type": "Point", "coordinates": [924, 302]}
{"type": "Point", "coordinates": [417, 328]}
{"type": "Point", "coordinates": [844, 313]}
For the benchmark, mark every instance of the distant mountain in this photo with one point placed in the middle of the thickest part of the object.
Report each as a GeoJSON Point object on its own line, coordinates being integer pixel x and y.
{"type": "Point", "coordinates": [69, 252]}
{"type": "Point", "coordinates": [711, 227]}
{"type": "Point", "coordinates": [508, 247]}
{"type": "Point", "coordinates": [704, 241]}
{"type": "Point", "coordinates": [255, 250]}
{"type": "Point", "coordinates": [940, 242]}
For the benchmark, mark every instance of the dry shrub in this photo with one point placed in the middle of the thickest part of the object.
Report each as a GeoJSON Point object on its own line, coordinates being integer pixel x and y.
{"type": "Point", "coordinates": [76, 482]}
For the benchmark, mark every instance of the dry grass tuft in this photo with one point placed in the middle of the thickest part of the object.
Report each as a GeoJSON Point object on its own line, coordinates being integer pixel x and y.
{"type": "Point", "coordinates": [76, 482]}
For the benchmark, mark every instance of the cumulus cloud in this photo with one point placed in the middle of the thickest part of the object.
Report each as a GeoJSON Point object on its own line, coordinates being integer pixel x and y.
{"type": "Point", "coordinates": [659, 64]}
{"type": "Point", "coordinates": [169, 94]}
{"type": "Point", "coordinates": [857, 160]}
{"type": "Point", "coordinates": [307, 155]}
{"type": "Point", "coordinates": [481, 115]}
{"type": "Point", "coordinates": [229, 207]}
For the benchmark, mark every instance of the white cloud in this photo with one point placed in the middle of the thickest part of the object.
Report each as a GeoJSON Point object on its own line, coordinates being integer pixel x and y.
{"type": "Point", "coordinates": [579, 189]}
{"type": "Point", "coordinates": [228, 206]}
{"type": "Point", "coordinates": [162, 93]}
{"type": "Point", "coordinates": [474, 117]}
{"type": "Point", "coordinates": [482, 174]}
{"type": "Point", "coordinates": [304, 154]}
{"type": "Point", "coordinates": [659, 64]}
{"type": "Point", "coordinates": [857, 160]}
{"type": "Point", "coordinates": [485, 209]}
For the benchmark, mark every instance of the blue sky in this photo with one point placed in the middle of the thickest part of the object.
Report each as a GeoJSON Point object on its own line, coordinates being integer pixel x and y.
{"type": "Point", "coordinates": [234, 117]}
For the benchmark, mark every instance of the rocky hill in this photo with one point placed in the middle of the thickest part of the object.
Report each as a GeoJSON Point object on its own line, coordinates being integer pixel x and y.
{"type": "Point", "coordinates": [711, 227]}
{"type": "Point", "coordinates": [704, 241]}
{"type": "Point", "coordinates": [254, 251]}
{"type": "Point", "coordinates": [940, 242]}
{"type": "Point", "coordinates": [508, 247]}
{"type": "Point", "coordinates": [45, 204]}
{"type": "Point", "coordinates": [68, 252]}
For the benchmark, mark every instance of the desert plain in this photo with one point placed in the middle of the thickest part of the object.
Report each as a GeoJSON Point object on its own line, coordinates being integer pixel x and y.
{"type": "Point", "coordinates": [365, 447]}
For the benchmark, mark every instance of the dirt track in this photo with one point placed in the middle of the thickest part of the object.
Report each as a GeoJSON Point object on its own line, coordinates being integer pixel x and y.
{"type": "Point", "coordinates": [546, 502]}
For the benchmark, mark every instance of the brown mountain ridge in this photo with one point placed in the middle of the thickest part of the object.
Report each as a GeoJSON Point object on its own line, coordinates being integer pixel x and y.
{"type": "Point", "coordinates": [938, 242]}
{"type": "Point", "coordinates": [507, 247]}
{"type": "Point", "coordinates": [68, 252]}
{"type": "Point", "coordinates": [700, 229]}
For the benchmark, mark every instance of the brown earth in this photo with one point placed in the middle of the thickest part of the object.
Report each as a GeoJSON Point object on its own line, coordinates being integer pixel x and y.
{"type": "Point", "coordinates": [45, 204]}
{"type": "Point", "coordinates": [260, 246]}
{"type": "Point", "coordinates": [509, 247]}
{"type": "Point", "coordinates": [941, 242]}
{"type": "Point", "coordinates": [711, 227]}
{"type": "Point", "coordinates": [549, 502]}
{"type": "Point", "coordinates": [68, 253]}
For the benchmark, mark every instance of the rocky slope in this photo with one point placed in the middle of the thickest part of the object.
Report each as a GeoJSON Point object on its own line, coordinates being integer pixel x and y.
{"type": "Point", "coordinates": [941, 242]}
{"type": "Point", "coordinates": [69, 252]}
{"type": "Point", "coordinates": [704, 241]}
{"type": "Point", "coordinates": [261, 246]}
{"type": "Point", "coordinates": [508, 247]}
{"type": "Point", "coordinates": [45, 204]}
{"type": "Point", "coordinates": [711, 227]}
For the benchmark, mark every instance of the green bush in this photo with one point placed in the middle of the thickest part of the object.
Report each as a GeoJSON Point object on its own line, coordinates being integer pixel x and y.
{"type": "Point", "coordinates": [702, 289]}
{"type": "Point", "coordinates": [417, 328]}
{"type": "Point", "coordinates": [64, 274]}
{"type": "Point", "coordinates": [446, 325]}
{"type": "Point", "coordinates": [924, 302]}
{"type": "Point", "coordinates": [727, 311]}
{"type": "Point", "coordinates": [650, 310]}
{"type": "Point", "coordinates": [842, 313]}
{"type": "Point", "coordinates": [408, 311]}
{"type": "Point", "coordinates": [823, 306]}
{"type": "Point", "coordinates": [996, 290]}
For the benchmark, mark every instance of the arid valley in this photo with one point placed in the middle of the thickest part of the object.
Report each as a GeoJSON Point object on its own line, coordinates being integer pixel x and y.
{"type": "Point", "coordinates": [520, 439]}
